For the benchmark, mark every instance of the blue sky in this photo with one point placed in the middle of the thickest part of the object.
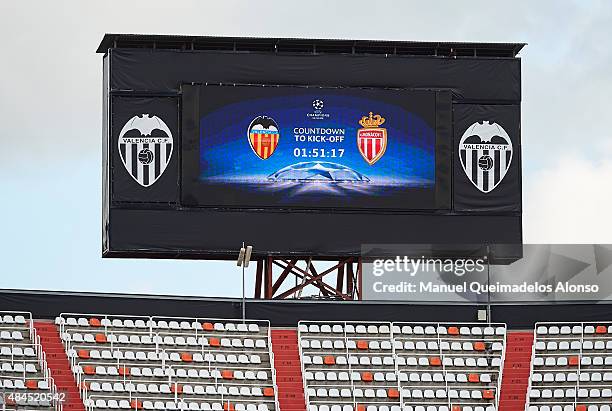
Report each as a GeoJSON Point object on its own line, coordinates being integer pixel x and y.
{"type": "Point", "coordinates": [50, 119]}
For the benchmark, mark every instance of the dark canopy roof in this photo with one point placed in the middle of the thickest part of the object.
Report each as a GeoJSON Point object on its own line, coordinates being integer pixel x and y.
{"type": "Point", "coordinates": [310, 46]}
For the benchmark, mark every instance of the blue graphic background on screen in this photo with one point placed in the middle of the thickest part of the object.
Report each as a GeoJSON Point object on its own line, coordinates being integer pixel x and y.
{"type": "Point", "coordinates": [226, 156]}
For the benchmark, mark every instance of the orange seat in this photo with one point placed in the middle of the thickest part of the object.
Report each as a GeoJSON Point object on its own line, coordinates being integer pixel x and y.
{"type": "Point", "coordinates": [227, 374]}
{"type": "Point", "coordinates": [581, 407]}
{"type": "Point", "coordinates": [84, 354]}
{"type": "Point", "coordinates": [136, 404]}
{"type": "Point", "coordinates": [488, 395]}
{"type": "Point", "coordinates": [573, 360]}
{"type": "Point", "coordinates": [94, 322]}
{"type": "Point", "coordinates": [186, 357]}
{"type": "Point", "coordinates": [329, 360]}
{"type": "Point", "coordinates": [100, 338]}
{"type": "Point", "coordinates": [367, 376]}
{"type": "Point", "coordinates": [435, 361]}
{"type": "Point", "coordinates": [124, 371]}
{"type": "Point", "coordinates": [89, 370]}
{"type": "Point", "coordinates": [473, 378]}
{"type": "Point", "coordinates": [268, 392]}
{"type": "Point", "coordinates": [456, 408]}
{"type": "Point", "coordinates": [31, 385]}
{"type": "Point", "coordinates": [479, 346]}
{"type": "Point", "coordinates": [208, 327]}
{"type": "Point", "coordinates": [453, 330]}
{"type": "Point", "coordinates": [214, 342]}
{"type": "Point", "coordinates": [176, 388]}
{"type": "Point", "coordinates": [228, 406]}
{"type": "Point", "coordinates": [601, 329]}
{"type": "Point", "coordinates": [393, 393]}
{"type": "Point", "coordinates": [362, 345]}
{"type": "Point", "coordinates": [360, 407]}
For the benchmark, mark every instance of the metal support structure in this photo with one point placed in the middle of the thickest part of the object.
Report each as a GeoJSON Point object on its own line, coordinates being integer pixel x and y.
{"type": "Point", "coordinates": [294, 275]}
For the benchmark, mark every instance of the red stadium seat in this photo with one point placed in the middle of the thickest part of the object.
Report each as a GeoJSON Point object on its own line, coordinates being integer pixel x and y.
{"type": "Point", "coordinates": [228, 406]}
{"type": "Point", "coordinates": [214, 342]}
{"type": "Point", "coordinates": [89, 370]}
{"type": "Point", "coordinates": [360, 407]}
{"type": "Point", "coordinates": [581, 407]}
{"type": "Point", "coordinates": [488, 395]}
{"type": "Point", "coordinates": [31, 384]}
{"type": "Point", "coordinates": [84, 354]}
{"type": "Point", "coordinates": [227, 374]}
{"type": "Point", "coordinates": [362, 345]}
{"type": "Point", "coordinates": [94, 322]}
{"type": "Point", "coordinates": [208, 327]}
{"type": "Point", "coordinates": [136, 404]}
{"type": "Point", "coordinates": [573, 360]}
{"type": "Point", "coordinates": [329, 360]}
{"type": "Point", "coordinates": [393, 393]}
{"type": "Point", "coordinates": [186, 357]}
{"type": "Point", "coordinates": [453, 330]}
{"type": "Point", "coordinates": [601, 329]}
{"type": "Point", "coordinates": [473, 378]}
{"type": "Point", "coordinates": [435, 361]}
{"type": "Point", "coordinates": [367, 376]}
{"type": "Point", "coordinates": [101, 338]}
{"type": "Point", "coordinates": [479, 346]}
{"type": "Point", "coordinates": [268, 392]}
{"type": "Point", "coordinates": [176, 388]}
{"type": "Point", "coordinates": [124, 371]}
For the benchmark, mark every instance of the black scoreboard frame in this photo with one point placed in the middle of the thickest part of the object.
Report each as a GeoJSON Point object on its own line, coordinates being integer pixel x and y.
{"type": "Point", "coordinates": [476, 80]}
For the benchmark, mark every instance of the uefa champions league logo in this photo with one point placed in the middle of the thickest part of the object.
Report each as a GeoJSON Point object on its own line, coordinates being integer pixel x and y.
{"type": "Point", "coordinates": [318, 114]}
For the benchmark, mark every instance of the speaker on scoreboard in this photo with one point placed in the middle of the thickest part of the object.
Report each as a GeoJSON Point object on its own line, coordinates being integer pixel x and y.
{"type": "Point", "coordinates": [144, 147]}
{"type": "Point", "coordinates": [487, 158]}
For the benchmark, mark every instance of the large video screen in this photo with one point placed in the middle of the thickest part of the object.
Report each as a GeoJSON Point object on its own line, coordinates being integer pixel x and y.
{"type": "Point", "coordinates": [311, 147]}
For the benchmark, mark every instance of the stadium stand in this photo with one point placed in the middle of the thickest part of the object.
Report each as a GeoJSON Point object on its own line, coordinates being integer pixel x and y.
{"type": "Point", "coordinates": [25, 379]}
{"type": "Point", "coordinates": [401, 366]}
{"type": "Point", "coordinates": [163, 363]}
{"type": "Point", "coordinates": [571, 367]}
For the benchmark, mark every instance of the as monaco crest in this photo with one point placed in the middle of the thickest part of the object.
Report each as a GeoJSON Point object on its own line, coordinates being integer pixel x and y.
{"type": "Point", "coordinates": [145, 147]}
{"type": "Point", "coordinates": [485, 150]}
{"type": "Point", "coordinates": [263, 135]}
{"type": "Point", "coordinates": [371, 139]}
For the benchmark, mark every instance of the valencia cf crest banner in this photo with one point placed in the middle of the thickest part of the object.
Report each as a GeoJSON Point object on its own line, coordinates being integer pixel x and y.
{"type": "Point", "coordinates": [145, 146]}
{"type": "Point", "coordinates": [487, 165]}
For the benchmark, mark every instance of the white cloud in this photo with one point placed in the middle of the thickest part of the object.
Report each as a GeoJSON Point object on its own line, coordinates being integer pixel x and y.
{"type": "Point", "coordinates": [569, 202]}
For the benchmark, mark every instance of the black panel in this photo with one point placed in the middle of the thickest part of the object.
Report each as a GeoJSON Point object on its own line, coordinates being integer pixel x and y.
{"type": "Point", "coordinates": [288, 313]}
{"type": "Point", "coordinates": [476, 194]}
{"type": "Point", "coordinates": [218, 233]}
{"type": "Point", "coordinates": [469, 79]}
{"type": "Point", "coordinates": [125, 187]}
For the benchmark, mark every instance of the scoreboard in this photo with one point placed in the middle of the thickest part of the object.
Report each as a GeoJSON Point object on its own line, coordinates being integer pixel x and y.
{"type": "Point", "coordinates": [307, 147]}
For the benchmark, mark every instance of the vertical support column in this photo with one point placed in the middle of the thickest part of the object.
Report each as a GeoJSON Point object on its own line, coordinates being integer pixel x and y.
{"type": "Point", "coordinates": [350, 279]}
{"type": "Point", "coordinates": [268, 279]}
{"type": "Point", "coordinates": [359, 279]}
{"type": "Point", "coordinates": [340, 278]}
{"type": "Point", "coordinates": [258, 278]}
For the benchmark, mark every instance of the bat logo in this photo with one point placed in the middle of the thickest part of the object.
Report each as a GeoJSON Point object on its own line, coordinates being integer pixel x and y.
{"type": "Point", "coordinates": [263, 135]}
{"type": "Point", "coordinates": [145, 147]}
{"type": "Point", "coordinates": [485, 151]}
